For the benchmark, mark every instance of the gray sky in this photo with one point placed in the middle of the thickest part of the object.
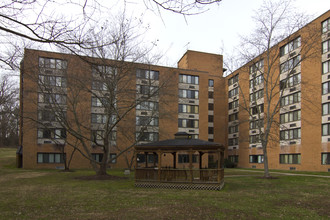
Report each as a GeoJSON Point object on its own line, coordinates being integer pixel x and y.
{"type": "Point", "coordinates": [215, 31]}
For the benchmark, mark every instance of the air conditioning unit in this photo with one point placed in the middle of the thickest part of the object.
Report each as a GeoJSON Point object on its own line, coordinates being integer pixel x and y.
{"type": "Point", "coordinates": [292, 54]}
{"type": "Point", "coordinates": [293, 125]}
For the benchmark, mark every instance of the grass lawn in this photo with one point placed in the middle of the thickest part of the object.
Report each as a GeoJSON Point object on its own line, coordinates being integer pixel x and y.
{"type": "Point", "coordinates": [51, 194]}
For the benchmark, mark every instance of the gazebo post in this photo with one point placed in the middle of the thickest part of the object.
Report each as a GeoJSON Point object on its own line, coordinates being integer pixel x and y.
{"type": "Point", "coordinates": [159, 164]}
{"type": "Point", "coordinates": [190, 165]}
{"type": "Point", "coordinates": [174, 160]}
{"type": "Point", "coordinates": [146, 154]}
{"type": "Point", "coordinates": [200, 165]}
{"type": "Point", "coordinates": [219, 165]}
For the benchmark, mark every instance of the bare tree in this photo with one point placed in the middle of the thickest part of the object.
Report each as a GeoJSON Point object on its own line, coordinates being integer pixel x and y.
{"type": "Point", "coordinates": [113, 88]}
{"type": "Point", "coordinates": [8, 112]}
{"type": "Point", "coordinates": [274, 41]}
{"type": "Point", "coordinates": [186, 7]}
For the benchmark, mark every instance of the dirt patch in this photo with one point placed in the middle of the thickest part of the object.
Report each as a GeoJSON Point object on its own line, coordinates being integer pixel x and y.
{"type": "Point", "coordinates": [101, 177]}
{"type": "Point", "coordinates": [26, 175]}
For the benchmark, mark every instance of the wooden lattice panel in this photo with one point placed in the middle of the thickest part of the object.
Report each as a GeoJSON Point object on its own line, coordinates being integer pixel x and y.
{"type": "Point", "coordinates": [185, 186]}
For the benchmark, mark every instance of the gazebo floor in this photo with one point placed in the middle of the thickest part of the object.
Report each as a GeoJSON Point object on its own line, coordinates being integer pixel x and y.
{"type": "Point", "coordinates": [187, 186]}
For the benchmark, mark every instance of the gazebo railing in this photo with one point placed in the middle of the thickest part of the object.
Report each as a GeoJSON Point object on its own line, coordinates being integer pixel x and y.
{"type": "Point", "coordinates": [179, 175]}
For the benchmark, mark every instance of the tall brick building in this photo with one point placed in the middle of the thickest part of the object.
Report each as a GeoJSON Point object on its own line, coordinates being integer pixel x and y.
{"type": "Point", "coordinates": [64, 97]}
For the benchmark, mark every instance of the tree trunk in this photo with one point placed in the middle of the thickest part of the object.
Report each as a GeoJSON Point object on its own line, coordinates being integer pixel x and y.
{"type": "Point", "coordinates": [102, 170]}
{"type": "Point", "coordinates": [266, 168]}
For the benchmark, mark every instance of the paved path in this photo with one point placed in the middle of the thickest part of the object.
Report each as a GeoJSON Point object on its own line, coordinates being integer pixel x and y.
{"type": "Point", "coordinates": [279, 173]}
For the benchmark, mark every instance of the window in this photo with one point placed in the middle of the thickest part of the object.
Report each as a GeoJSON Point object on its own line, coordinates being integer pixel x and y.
{"type": "Point", "coordinates": [256, 158]}
{"type": "Point", "coordinates": [291, 81]}
{"type": "Point", "coordinates": [52, 133]}
{"type": "Point", "coordinates": [147, 105]}
{"type": "Point", "coordinates": [325, 88]}
{"type": "Point", "coordinates": [189, 94]}
{"type": "Point", "coordinates": [233, 92]}
{"type": "Point", "coordinates": [290, 134]}
{"type": "Point", "coordinates": [232, 141]}
{"type": "Point", "coordinates": [211, 118]}
{"type": "Point", "coordinates": [52, 63]}
{"type": "Point", "coordinates": [192, 109]}
{"type": "Point", "coordinates": [187, 123]}
{"type": "Point", "coordinates": [257, 109]}
{"type": "Point", "coordinates": [257, 66]}
{"type": "Point", "coordinates": [57, 81]}
{"type": "Point", "coordinates": [290, 158]}
{"type": "Point", "coordinates": [211, 95]}
{"type": "Point", "coordinates": [189, 79]}
{"type": "Point", "coordinates": [50, 158]}
{"type": "Point", "coordinates": [292, 45]}
{"type": "Point", "coordinates": [290, 99]}
{"type": "Point", "coordinates": [99, 118]}
{"type": "Point", "coordinates": [98, 85]}
{"type": "Point", "coordinates": [103, 71]}
{"type": "Point", "coordinates": [147, 136]}
{"type": "Point", "coordinates": [46, 115]}
{"type": "Point", "coordinates": [146, 120]}
{"type": "Point", "coordinates": [98, 157]}
{"type": "Point", "coordinates": [98, 135]}
{"type": "Point", "coordinates": [233, 158]}
{"type": "Point", "coordinates": [99, 102]}
{"type": "Point", "coordinates": [290, 117]}
{"type": "Point", "coordinates": [147, 90]}
{"type": "Point", "coordinates": [256, 81]}
{"type": "Point", "coordinates": [211, 130]}
{"type": "Point", "coordinates": [325, 157]}
{"type": "Point", "coordinates": [325, 129]}
{"type": "Point", "coordinates": [233, 104]}
{"type": "Point", "coordinates": [326, 108]}
{"type": "Point", "coordinates": [326, 25]}
{"type": "Point", "coordinates": [211, 82]}
{"type": "Point", "coordinates": [255, 139]}
{"type": "Point", "coordinates": [290, 64]}
{"type": "Point", "coordinates": [256, 95]}
{"type": "Point", "coordinates": [184, 158]}
{"type": "Point", "coordinates": [211, 106]}
{"type": "Point", "coordinates": [233, 80]}
{"type": "Point", "coordinates": [233, 129]}
{"type": "Point", "coordinates": [233, 117]}
{"type": "Point", "coordinates": [325, 67]}
{"type": "Point", "coordinates": [147, 74]}
{"type": "Point", "coordinates": [326, 46]}
{"type": "Point", "coordinates": [51, 98]}
{"type": "Point", "coordinates": [256, 124]}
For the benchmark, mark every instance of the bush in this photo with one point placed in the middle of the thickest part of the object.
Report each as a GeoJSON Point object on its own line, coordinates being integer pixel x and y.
{"type": "Point", "coordinates": [229, 164]}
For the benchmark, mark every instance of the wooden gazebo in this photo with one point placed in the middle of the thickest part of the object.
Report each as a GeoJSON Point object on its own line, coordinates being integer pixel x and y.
{"type": "Point", "coordinates": [182, 163]}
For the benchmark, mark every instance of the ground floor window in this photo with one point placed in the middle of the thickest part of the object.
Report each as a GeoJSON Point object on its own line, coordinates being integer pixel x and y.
{"type": "Point", "coordinates": [325, 158]}
{"type": "Point", "coordinates": [290, 158]}
{"type": "Point", "coordinates": [233, 158]}
{"type": "Point", "coordinates": [50, 157]}
{"type": "Point", "coordinates": [256, 158]}
{"type": "Point", "coordinates": [99, 157]}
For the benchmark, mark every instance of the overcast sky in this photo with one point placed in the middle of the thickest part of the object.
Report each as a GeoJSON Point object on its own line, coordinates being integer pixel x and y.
{"type": "Point", "coordinates": [215, 31]}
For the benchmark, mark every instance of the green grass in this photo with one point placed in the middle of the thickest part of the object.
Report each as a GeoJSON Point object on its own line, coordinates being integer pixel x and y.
{"type": "Point", "coordinates": [50, 194]}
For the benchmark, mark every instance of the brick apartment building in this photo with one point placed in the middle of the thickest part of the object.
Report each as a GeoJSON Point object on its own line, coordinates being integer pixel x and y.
{"type": "Point", "coordinates": [193, 98]}
{"type": "Point", "coordinates": [62, 95]}
{"type": "Point", "coordinates": [300, 74]}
